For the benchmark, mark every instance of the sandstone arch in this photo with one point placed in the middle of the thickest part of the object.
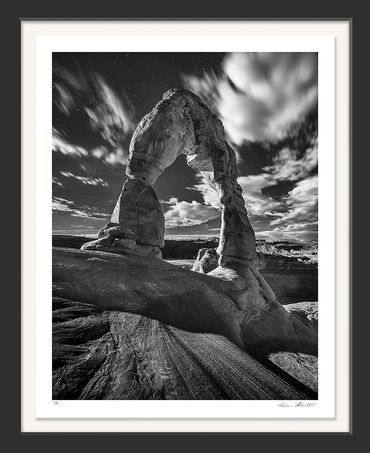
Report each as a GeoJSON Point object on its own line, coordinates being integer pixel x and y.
{"type": "Point", "coordinates": [182, 124]}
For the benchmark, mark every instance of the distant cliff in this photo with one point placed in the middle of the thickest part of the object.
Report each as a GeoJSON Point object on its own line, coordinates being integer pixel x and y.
{"type": "Point", "coordinates": [172, 250]}
{"type": "Point", "coordinates": [292, 279]}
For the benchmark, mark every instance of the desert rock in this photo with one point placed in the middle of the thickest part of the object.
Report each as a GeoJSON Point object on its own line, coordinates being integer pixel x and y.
{"type": "Point", "coordinates": [206, 261]}
{"type": "Point", "coordinates": [182, 123]}
{"type": "Point", "coordinates": [113, 355]}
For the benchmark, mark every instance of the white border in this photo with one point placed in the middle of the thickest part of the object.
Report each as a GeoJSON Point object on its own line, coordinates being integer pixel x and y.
{"type": "Point", "coordinates": [38, 42]}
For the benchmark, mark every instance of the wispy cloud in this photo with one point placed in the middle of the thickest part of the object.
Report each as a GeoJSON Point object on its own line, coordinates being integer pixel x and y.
{"type": "Point", "coordinates": [61, 205]}
{"type": "Point", "coordinates": [108, 113]}
{"type": "Point", "coordinates": [291, 165]}
{"type": "Point", "coordinates": [86, 180]}
{"type": "Point", "coordinates": [56, 181]}
{"type": "Point", "coordinates": [285, 235]}
{"type": "Point", "coordinates": [210, 195]}
{"type": "Point", "coordinates": [111, 115]}
{"type": "Point", "coordinates": [118, 157]}
{"type": "Point", "coordinates": [61, 145]}
{"type": "Point", "coordinates": [260, 96]}
{"type": "Point", "coordinates": [301, 205]}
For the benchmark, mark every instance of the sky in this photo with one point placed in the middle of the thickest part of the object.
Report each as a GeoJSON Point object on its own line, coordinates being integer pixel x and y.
{"type": "Point", "coordinates": [266, 101]}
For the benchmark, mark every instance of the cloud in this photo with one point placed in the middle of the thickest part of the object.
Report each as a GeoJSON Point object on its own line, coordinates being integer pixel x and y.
{"type": "Point", "coordinates": [57, 182]}
{"type": "Point", "coordinates": [183, 213]}
{"type": "Point", "coordinates": [305, 191]}
{"type": "Point", "coordinates": [301, 203]}
{"type": "Point", "coordinates": [260, 96]}
{"type": "Point", "coordinates": [210, 195]}
{"type": "Point", "coordinates": [61, 145]}
{"type": "Point", "coordinates": [86, 180]}
{"type": "Point", "coordinates": [61, 205]}
{"type": "Point", "coordinates": [300, 236]}
{"type": "Point", "coordinates": [64, 100]}
{"type": "Point", "coordinates": [257, 203]}
{"type": "Point", "coordinates": [106, 111]}
{"type": "Point", "coordinates": [110, 115]}
{"type": "Point", "coordinates": [289, 166]}
{"type": "Point", "coordinates": [118, 156]}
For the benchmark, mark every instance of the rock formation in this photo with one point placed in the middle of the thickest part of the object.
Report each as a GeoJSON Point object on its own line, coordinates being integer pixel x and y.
{"type": "Point", "coordinates": [137, 223]}
{"type": "Point", "coordinates": [206, 261]}
{"type": "Point", "coordinates": [242, 309]}
{"type": "Point", "coordinates": [180, 123]}
{"type": "Point", "coordinates": [233, 299]}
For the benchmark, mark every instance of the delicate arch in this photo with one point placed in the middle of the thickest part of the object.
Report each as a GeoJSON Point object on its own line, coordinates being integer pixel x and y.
{"type": "Point", "coordinates": [182, 124]}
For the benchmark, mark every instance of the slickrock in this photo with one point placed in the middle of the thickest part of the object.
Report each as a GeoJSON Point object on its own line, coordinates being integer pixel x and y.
{"type": "Point", "coordinates": [243, 309]}
{"type": "Point", "coordinates": [112, 355]}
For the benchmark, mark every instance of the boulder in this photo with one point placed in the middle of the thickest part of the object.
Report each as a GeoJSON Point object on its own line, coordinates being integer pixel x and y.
{"type": "Point", "coordinates": [116, 231]}
{"type": "Point", "coordinates": [101, 232]}
{"type": "Point", "coordinates": [111, 244]}
{"type": "Point", "coordinates": [206, 261]}
{"type": "Point", "coordinates": [306, 312]}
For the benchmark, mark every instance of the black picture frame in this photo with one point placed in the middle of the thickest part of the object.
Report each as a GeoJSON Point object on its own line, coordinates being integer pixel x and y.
{"type": "Point", "coordinates": [20, 11]}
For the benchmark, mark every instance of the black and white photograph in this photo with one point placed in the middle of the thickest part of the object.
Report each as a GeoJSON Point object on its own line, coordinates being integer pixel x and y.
{"type": "Point", "coordinates": [185, 226]}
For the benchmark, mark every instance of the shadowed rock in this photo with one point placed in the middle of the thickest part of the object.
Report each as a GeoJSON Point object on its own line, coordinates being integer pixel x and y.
{"type": "Point", "coordinates": [242, 309]}
{"type": "Point", "coordinates": [127, 356]}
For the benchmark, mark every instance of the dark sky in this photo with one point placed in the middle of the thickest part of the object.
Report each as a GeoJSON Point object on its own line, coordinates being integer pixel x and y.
{"type": "Point", "coordinates": [268, 103]}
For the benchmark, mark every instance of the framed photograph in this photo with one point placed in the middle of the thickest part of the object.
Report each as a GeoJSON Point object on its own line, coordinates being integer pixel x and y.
{"type": "Point", "coordinates": [186, 261]}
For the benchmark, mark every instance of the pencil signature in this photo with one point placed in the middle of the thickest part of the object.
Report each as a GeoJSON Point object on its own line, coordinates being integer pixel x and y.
{"type": "Point", "coordinates": [297, 404]}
